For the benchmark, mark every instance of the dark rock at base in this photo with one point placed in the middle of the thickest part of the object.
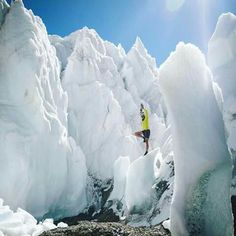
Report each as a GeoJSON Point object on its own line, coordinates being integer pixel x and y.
{"type": "Point", "coordinates": [104, 215]}
{"type": "Point", "coordinates": [100, 210]}
{"type": "Point", "coordinates": [89, 228]}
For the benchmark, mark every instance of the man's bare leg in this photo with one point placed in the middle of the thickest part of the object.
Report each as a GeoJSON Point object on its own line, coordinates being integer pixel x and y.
{"type": "Point", "coordinates": [147, 146]}
{"type": "Point", "coordinates": [139, 134]}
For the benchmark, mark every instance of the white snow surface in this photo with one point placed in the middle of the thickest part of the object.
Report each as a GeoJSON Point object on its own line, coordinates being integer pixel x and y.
{"type": "Point", "coordinates": [202, 161]}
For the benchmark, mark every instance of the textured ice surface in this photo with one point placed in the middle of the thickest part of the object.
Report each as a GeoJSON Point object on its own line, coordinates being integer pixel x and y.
{"type": "Point", "coordinates": [202, 161]}
{"type": "Point", "coordinates": [39, 164]}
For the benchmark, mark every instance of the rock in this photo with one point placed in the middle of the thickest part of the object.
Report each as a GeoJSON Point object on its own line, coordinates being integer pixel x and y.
{"type": "Point", "coordinates": [90, 228]}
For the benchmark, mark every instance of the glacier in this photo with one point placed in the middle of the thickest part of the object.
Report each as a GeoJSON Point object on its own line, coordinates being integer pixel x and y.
{"type": "Point", "coordinates": [69, 108]}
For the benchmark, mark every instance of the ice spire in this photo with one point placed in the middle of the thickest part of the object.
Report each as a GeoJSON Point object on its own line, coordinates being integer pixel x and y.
{"type": "Point", "coordinates": [140, 46]}
{"type": "Point", "coordinates": [198, 204]}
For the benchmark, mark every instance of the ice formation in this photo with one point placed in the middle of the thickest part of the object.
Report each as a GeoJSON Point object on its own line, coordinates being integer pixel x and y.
{"type": "Point", "coordinates": [115, 80]}
{"type": "Point", "coordinates": [138, 194]}
{"type": "Point", "coordinates": [33, 123]}
{"type": "Point", "coordinates": [202, 161]}
{"type": "Point", "coordinates": [73, 106]}
{"type": "Point", "coordinates": [96, 122]}
{"type": "Point", "coordinates": [222, 61]}
{"type": "Point", "coordinates": [69, 107]}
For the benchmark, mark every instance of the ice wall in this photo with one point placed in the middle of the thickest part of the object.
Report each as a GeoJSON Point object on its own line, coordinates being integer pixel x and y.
{"type": "Point", "coordinates": [118, 83]}
{"type": "Point", "coordinates": [39, 164]}
{"type": "Point", "coordinates": [95, 117]}
{"type": "Point", "coordinates": [120, 72]}
{"type": "Point", "coordinates": [202, 161]}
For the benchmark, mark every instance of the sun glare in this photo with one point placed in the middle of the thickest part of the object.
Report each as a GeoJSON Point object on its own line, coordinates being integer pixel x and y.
{"type": "Point", "coordinates": [174, 5]}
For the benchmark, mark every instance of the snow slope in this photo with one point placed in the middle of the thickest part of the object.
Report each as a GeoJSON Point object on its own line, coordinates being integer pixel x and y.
{"type": "Point", "coordinates": [201, 157]}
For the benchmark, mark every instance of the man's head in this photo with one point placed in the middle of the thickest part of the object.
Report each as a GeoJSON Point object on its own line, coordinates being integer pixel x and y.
{"type": "Point", "coordinates": [141, 106]}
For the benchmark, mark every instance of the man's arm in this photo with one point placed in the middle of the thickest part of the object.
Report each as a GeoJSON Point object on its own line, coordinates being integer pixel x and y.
{"type": "Point", "coordinates": [142, 114]}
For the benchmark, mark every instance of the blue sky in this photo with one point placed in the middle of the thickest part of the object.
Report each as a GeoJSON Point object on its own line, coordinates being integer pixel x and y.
{"type": "Point", "coordinates": [161, 24]}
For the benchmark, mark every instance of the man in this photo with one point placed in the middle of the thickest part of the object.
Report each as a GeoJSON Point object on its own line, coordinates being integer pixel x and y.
{"type": "Point", "coordinates": [145, 133]}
